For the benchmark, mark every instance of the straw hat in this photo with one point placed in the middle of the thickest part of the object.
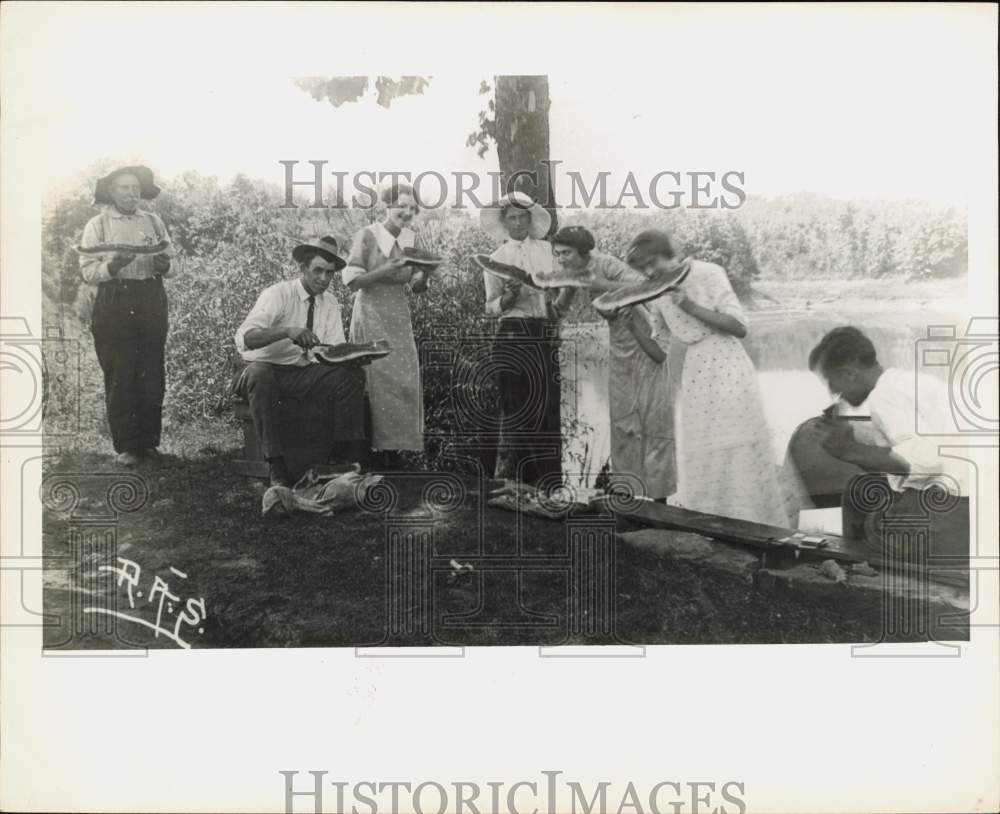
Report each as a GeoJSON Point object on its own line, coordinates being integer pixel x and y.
{"type": "Point", "coordinates": [491, 217]}
{"type": "Point", "coordinates": [326, 246]}
{"type": "Point", "coordinates": [147, 189]}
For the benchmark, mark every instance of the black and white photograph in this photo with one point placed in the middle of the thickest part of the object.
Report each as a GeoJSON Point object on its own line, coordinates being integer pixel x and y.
{"type": "Point", "coordinates": [619, 345]}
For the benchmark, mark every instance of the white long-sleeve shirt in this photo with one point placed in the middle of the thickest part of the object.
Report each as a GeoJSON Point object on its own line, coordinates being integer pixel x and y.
{"type": "Point", "coordinates": [901, 402]}
{"type": "Point", "coordinates": [532, 255]}
{"type": "Point", "coordinates": [287, 304]}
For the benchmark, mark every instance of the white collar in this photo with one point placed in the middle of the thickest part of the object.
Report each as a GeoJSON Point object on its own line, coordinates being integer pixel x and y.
{"type": "Point", "coordinates": [386, 240]}
{"type": "Point", "coordinates": [300, 290]}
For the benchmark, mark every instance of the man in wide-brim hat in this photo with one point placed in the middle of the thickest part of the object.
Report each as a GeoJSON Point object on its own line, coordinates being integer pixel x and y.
{"type": "Point", "coordinates": [326, 247]}
{"type": "Point", "coordinates": [129, 318]}
{"type": "Point", "coordinates": [526, 343]}
{"type": "Point", "coordinates": [144, 175]}
{"type": "Point", "coordinates": [288, 319]}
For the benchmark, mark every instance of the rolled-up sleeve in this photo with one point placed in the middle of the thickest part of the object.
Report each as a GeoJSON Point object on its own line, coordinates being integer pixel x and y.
{"type": "Point", "coordinates": [93, 267]}
{"type": "Point", "coordinates": [893, 413]}
{"type": "Point", "coordinates": [264, 314]}
{"type": "Point", "coordinates": [921, 455]}
{"type": "Point", "coordinates": [357, 262]}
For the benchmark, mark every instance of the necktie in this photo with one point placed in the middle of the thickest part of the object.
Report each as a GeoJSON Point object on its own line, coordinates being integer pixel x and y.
{"type": "Point", "coordinates": [309, 316]}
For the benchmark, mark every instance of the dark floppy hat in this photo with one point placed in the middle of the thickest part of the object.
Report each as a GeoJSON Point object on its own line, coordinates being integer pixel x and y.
{"type": "Point", "coordinates": [326, 246]}
{"type": "Point", "coordinates": [147, 189]}
{"type": "Point", "coordinates": [577, 237]}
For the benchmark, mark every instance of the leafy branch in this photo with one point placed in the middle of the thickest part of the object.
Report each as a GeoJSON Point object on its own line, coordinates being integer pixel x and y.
{"type": "Point", "coordinates": [481, 138]}
{"type": "Point", "coordinates": [338, 90]}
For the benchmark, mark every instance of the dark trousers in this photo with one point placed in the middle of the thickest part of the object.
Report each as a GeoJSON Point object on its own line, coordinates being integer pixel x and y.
{"type": "Point", "coordinates": [342, 386]}
{"type": "Point", "coordinates": [130, 332]}
{"type": "Point", "coordinates": [525, 366]}
{"type": "Point", "coordinates": [896, 524]}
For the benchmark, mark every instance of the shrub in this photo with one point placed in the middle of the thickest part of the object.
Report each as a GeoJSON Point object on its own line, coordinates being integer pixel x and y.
{"type": "Point", "coordinates": [234, 241]}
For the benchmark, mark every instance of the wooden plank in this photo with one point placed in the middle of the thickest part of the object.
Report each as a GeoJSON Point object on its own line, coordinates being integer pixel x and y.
{"type": "Point", "coordinates": [763, 538]}
{"type": "Point", "coordinates": [724, 529]}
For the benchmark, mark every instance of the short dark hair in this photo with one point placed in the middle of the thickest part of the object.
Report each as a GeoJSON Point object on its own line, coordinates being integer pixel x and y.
{"type": "Point", "coordinates": [647, 245]}
{"type": "Point", "coordinates": [842, 346]}
{"type": "Point", "coordinates": [391, 194]}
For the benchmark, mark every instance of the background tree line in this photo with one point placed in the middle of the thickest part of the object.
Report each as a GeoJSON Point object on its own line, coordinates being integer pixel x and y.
{"type": "Point", "coordinates": [234, 240]}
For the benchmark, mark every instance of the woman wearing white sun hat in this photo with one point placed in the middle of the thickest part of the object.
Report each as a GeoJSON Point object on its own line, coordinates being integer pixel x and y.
{"type": "Point", "coordinates": [525, 355]}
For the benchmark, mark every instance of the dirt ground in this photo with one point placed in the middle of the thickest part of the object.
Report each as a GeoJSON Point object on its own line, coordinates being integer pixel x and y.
{"type": "Point", "coordinates": [314, 581]}
{"type": "Point", "coordinates": [192, 530]}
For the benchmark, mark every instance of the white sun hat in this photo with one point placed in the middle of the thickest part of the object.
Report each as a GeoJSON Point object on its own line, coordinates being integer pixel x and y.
{"type": "Point", "coordinates": [491, 217]}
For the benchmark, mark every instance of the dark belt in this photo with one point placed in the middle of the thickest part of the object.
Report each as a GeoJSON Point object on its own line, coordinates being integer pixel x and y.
{"type": "Point", "coordinates": [128, 282]}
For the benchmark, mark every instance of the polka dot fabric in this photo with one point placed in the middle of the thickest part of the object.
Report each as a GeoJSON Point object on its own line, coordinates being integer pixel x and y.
{"type": "Point", "coordinates": [724, 449]}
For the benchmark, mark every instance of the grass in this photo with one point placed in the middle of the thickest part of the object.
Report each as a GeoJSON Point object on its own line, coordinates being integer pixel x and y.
{"type": "Point", "coordinates": [322, 581]}
{"type": "Point", "coordinates": [312, 581]}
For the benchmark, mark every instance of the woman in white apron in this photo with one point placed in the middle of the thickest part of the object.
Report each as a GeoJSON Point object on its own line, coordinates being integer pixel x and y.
{"type": "Point", "coordinates": [377, 272]}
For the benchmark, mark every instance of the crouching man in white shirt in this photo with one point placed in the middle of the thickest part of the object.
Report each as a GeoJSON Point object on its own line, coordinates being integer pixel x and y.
{"type": "Point", "coordinates": [910, 462]}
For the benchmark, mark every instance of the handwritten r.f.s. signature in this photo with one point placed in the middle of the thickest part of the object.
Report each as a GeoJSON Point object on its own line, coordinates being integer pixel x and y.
{"type": "Point", "coordinates": [191, 615]}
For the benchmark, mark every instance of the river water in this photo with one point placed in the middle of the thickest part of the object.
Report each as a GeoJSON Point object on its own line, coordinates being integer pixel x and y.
{"type": "Point", "coordinates": [778, 343]}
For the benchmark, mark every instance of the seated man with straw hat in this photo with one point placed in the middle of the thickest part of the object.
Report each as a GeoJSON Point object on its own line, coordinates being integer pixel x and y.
{"type": "Point", "coordinates": [288, 319]}
{"type": "Point", "coordinates": [526, 343]}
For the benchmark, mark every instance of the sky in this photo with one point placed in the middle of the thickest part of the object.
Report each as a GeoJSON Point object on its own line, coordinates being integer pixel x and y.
{"type": "Point", "coordinates": [884, 104]}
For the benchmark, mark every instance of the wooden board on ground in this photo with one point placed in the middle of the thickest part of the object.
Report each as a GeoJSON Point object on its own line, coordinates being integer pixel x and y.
{"type": "Point", "coordinates": [758, 536]}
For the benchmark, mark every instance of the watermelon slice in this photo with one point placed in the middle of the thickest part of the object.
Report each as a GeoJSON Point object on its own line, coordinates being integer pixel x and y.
{"type": "Point", "coordinates": [611, 301]}
{"type": "Point", "coordinates": [560, 278]}
{"type": "Point", "coordinates": [123, 248]}
{"type": "Point", "coordinates": [418, 257]}
{"type": "Point", "coordinates": [506, 272]}
{"type": "Point", "coordinates": [351, 352]}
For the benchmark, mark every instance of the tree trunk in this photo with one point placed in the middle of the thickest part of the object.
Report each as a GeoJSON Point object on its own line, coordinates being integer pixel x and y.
{"type": "Point", "coordinates": [522, 137]}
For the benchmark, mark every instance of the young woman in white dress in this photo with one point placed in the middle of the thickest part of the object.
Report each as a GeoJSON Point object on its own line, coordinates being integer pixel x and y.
{"type": "Point", "coordinates": [725, 464]}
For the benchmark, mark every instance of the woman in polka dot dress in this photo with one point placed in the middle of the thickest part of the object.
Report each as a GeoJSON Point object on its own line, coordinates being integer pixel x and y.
{"type": "Point", "coordinates": [724, 455]}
